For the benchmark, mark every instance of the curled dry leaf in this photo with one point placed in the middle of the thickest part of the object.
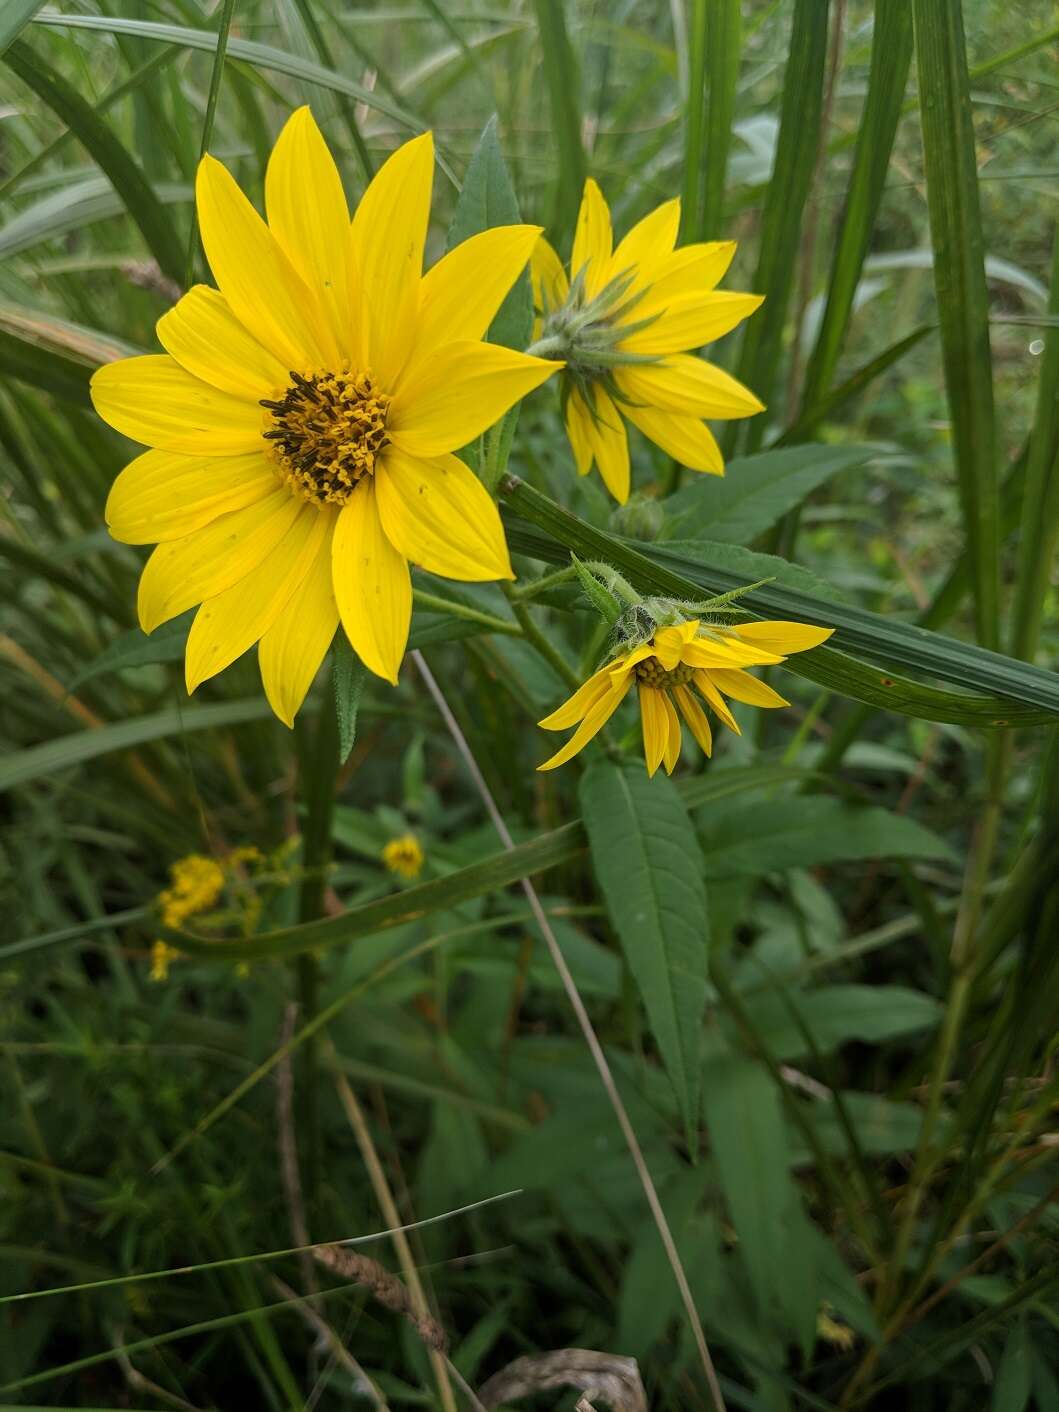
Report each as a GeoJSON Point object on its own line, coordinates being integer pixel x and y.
{"type": "Point", "coordinates": [605, 1377]}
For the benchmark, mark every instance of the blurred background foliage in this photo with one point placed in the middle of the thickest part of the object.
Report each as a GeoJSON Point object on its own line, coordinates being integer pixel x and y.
{"type": "Point", "coordinates": [864, 1201]}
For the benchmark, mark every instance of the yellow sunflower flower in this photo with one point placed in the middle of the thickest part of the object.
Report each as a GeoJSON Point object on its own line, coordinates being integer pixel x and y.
{"type": "Point", "coordinates": [404, 856]}
{"type": "Point", "coordinates": [304, 415]}
{"type": "Point", "coordinates": [708, 657]}
{"type": "Point", "coordinates": [624, 321]}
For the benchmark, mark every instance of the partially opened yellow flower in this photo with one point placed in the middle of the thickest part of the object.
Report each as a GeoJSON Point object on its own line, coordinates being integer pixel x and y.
{"type": "Point", "coordinates": [624, 321]}
{"type": "Point", "coordinates": [707, 656]}
{"type": "Point", "coordinates": [303, 418]}
{"type": "Point", "coordinates": [404, 855]}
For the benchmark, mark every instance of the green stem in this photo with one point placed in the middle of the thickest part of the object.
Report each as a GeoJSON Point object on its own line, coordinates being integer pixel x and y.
{"type": "Point", "coordinates": [533, 635]}
{"type": "Point", "coordinates": [318, 758]}
{"type": "Point", "coordinates": [223, 28]}
{"type": "Point", "coordinates": [542, 585]}
{"type": "Point", "coordinates": [460, 610]}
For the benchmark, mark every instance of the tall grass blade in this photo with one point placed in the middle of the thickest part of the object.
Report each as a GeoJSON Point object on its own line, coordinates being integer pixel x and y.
{"type": "Point", "coordinates": [564, 89]}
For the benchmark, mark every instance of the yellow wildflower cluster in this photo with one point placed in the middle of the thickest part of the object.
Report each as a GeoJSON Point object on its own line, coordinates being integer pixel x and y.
{"type": "Point", "coordinates": [404, 856]}
{"type": "Point", "coordinates": [195, 885]}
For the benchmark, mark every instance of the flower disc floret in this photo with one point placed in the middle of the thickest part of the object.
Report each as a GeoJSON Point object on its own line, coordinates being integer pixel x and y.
{"type": "Point", "coordinates": [326, 431]}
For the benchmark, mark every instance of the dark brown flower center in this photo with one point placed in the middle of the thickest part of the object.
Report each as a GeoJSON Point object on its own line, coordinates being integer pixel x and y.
{"type": "Point", "coordinates": [325, 433]}
{"type": "Point", "coordinates": [651, 672]}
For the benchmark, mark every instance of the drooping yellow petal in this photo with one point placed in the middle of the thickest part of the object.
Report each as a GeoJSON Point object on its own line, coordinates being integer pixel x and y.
{"type": "Point", "coordinates": [669, 642]}
{"type": "Point", "coordinates": [373, 588]}
{"type": "Point", "coordinates": [388, 234]}
{"type": "Point", "coordinates": [610, 446]}
{"type": "Point", "coordinates": [448, 401]}
{"type": "Point", "coordinates": [263, 290]}
{"type": "Point", "coordinates": [577, 706]}
{"type": "Point", "coordinates": [645, 247]}
{"type": "Point", "coordinates": [550, 284]}
{"type": "Point", "coordinates": [163, 495]}
{"type": "Point", "coordinates": [655, 724]}
{"type": "Point", "coordinates": [153, 400]}
{"type": "Point", "coordinates": [672, 755]}
{"type": "Point", "coordinates": [291, 651]}
{"type": "Point", "coordinates": [715, 649]}
{"type": "Point", "coordinates": [593, 723]}
{"type": "Point", "coordinates": [460, 296]}
{"type": "Point", "coordinates": [688, 386]}
{"type": "Point", "coordinates": [703, 680]}
{"type": "Point", "coordinates": [593, 240]}
{"type": "Point", "coordinates": [206, 338]}
{"type": "Point", "coordinates": [692, 322]}
{"type": "Point", "coordinates": [579, 430]}
{"type": "Point", "coordinates": [229, 624]}
{"type": "Point", "coordinates": [782, 637]}
{"type": "Point", "coordinates": [696, 719]}
{"type": "Point", "coordinates": [438, 514]}
{"type": "Point", "coordinates": [308, 215]}
{"type": "Point", "coordinates": [183, 572]}
{"type": "Point", "coordinates": [743, 687]}
{"type": "Point", "coordinates": [684, 438]}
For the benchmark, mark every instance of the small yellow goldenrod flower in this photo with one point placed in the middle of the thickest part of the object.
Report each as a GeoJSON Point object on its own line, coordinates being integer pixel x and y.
{"type": "Point", "coordinates": [195, 883]}
{"type": "Point", "coordinates": [831, 1331]}
{"type": "Point", "coordinates": [304, 416]}
{"type": "Point", "coordinates": [404, 855]}
{"type": "Point", "coordinates": [707, 656]}
{"type": "Point", "coordinates": [624, 321]}
{"type": "Point", "coordinates": [161, 955]}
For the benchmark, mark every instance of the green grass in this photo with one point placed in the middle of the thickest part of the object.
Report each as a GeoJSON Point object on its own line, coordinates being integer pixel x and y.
{"type": "Point", "coordinates": [821, 968]}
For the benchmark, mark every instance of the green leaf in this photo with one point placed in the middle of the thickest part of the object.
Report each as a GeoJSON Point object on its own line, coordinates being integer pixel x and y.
{"type": "Point", "coordinates": [559, 67]}
{"type": "Point", "coordinates": [748, 1142]}
{"type": "Point", "coordinates": [14, 16]}
{"type": "Point", "coordinates": [1019, 687]}
{"type": "Point", "coordinates": [755, 492]}
{"type": "Point", "coordinates": [136, 648]}
{"type": "Point", "coordinates": [715, 36]}
{"type": "Point", "coordinates": [785, 198]}
{"type": "Point", "coordinates": [1011, 1391]}
{"type": "Point", "coordinates": [836, 1014]}
{"type": "Point", "coordinates": [950, 158]}
{"type": "Point", "coordinates": [79, 746]}
{"type": "Point", "coordinates": [891, 57]}
{"type": "Point", "coordinates": [73, 207]}
{"type": "Point", "coordinates": [748, 565]}
{"type": "Point", "coordinates": [52, 353]}
{"type": "Point", "coordinates": [488, 199]}
{"type": "Point", "coordinates": [604, 602]}
{"type": "Point", "coordinates": [646, 862]}
{"type": "Point", "coordinates": [754, 839]}
{"type": "Point", "coordinates": [349, 675]}
{"type": "Point", "coordinates": [123, 171]}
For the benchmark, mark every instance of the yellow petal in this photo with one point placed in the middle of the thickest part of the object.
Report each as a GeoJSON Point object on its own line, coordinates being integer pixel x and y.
{"type": "Point", "coordinates": [743, 687]}
{"type": "Point", "coordinates": [550, 284]}
{"type": "Point", "coordinates": [579, 430]}
{"type": "Point", "coordinates": [592, 240]}
{"type": "Point", "coordinates": [388, 233]}
{"type": "Point", "coordinates": [186, 571]}
{"type": "Point", "coordinates": [372, 586]}
{"type": "Point", "coordinates": [308, 215]}
{"type": "Point", "coordinates": [593, 723]}
{"type": "Point", "coordinates": [630, 659]}
{"type": "Point", "coordinates": [262, 288]}
{"type": "Point", "coordinates": [696, 719]}
{"type": "Point", "coordinates": [685, 439]}
{"type": "Point", "coordinates": [648, 243]}
{"type": "Point", "coordinates": [460, 296]}
{"type": "Point", "coordinates": [291, 651]}
{"type": "Point", "coordinates": [669, 643]}
{"type": "Point", "coordinates": [715, 649]}
{"type": "Point", "coordinates": [206, 338]}
{"type": "Point", "coordinates": [704, 683]}
{"type": "Point", "coordinates": [655, 723]}
{"type": "Point", "coordinates": [692, 322]}
{"type": "Point", "coordinates": [782, 637]}
{"type": "Point", "coordinates": [153, 400]}
{"type": "Point", "coordinates": [690, 272]}
{"type": "Point", "coordinates": [689, 387]}
{"type": "Point", "coordinates": [163, 495]}
{"type": "Point", "coordinates": [672, 755]}
{"type": "Point", "coordinates": [577, 706]}
{"type": "Point", "coordinates": [229, 624]}
{"type": "Point", "coordinates": [438, 514]}
{"type": "Point", "coordinates": [449, 400]}
{"type": "Point", "coordinates": [610, 446]}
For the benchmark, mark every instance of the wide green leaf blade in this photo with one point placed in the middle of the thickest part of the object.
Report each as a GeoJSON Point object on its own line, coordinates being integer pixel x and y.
{"type": "Point", "coordinates": [560, 71]}
{"type": "Point", "coordinates": [645, 858]}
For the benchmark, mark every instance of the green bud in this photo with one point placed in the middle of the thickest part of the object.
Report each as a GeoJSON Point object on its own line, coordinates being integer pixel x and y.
{"type": "Point", "coordinates": [641, 517]}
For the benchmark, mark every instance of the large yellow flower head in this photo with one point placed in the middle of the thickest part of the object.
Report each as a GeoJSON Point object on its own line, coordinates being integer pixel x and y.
{"type": "Point", "coordinates": [624, 321]}
{"type": "Point", "coordinates": [304, 416]}
{"type": "Point", "coordinates": [709, 657]}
